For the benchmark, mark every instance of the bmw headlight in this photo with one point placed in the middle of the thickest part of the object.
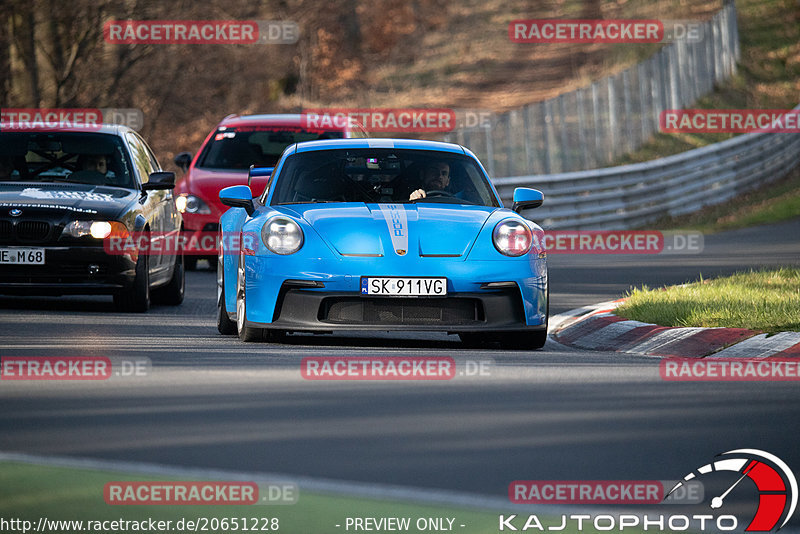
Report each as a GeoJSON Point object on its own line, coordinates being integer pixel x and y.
{"type": "Point", "coordinates": [191, 204]}
{"type": "Point", "coordinates": [512, 238]}
{"type": "Point", "coordinates": [96, 229]}
{"type": "Point", "coordinates": [282, 235]}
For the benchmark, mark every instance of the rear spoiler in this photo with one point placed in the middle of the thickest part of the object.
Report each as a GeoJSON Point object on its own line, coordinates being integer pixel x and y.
{"type": "Point", "coordinates": [258, 172]}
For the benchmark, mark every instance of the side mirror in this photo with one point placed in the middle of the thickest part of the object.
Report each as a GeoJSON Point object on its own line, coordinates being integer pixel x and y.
{"type": "Point", "coordinates": [159, 181]}
{"type": "Point", "coordinates": [238, 196]}
{"type": "Point", "coordinates": [525, 199]}
{"type": "Point", "coordinates": [256, 172]}
{"type": "Point", "coordinates": [183, 160]}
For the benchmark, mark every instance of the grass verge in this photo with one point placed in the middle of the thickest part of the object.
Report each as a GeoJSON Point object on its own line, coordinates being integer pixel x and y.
{"type": "Point", "coordinates": [772, 203]}
{"type": "Point", "coordinates": [766, 300]}
{"type": "Point", "coordinates": [29, 492]}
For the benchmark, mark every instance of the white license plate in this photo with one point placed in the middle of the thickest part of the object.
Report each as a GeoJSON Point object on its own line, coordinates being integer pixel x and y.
{"type": "Point", "coordinates": [21, 256]}
{"type": "Point", "coordinates": [404, 287]}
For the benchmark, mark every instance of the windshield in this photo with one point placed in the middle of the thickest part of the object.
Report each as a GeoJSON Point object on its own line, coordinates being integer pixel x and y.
{"type": "Point", "coordinates": [381, 175]}
{"type": "Point", "coordinates": [235, 148]}
{"type": "Point", "coordinates": [76, 157]}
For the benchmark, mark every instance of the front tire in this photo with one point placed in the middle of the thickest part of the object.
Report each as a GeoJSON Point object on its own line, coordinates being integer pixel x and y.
{"type": "Point", "coordinates": [246, 333]}
{"type": "Point", "coordinates": [224, 324]}
{"type": "Point", "coordinates": [172, 294]}
{"type": "Point", "coordinates": [136, 299]}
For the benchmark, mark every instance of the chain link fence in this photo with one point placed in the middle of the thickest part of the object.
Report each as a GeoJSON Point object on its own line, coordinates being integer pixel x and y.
{"type": "Point", "coordinates": [592, 126]}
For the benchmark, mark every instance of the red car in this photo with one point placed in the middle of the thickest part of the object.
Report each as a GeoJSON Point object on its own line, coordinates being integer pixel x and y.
{"type": "Point", "coordinates": [224, 159]}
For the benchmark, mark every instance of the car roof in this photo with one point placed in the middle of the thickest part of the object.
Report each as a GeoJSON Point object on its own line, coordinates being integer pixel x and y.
{"type": "Point", "coordinates": [263, 119]}
{"type": "Point", "coordinates": [378, 142]}
{"type": "Point", "coordinates": [110, 129]}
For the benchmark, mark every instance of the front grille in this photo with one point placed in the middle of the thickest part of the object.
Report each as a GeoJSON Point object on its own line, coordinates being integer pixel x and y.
{"type": "Point", "coordinates": [63, 273]}
{"type": "Point", "coordinates": [32, 230]}
{"type": "Point", "coordinates": [5, 229]}
{"type": "Point", "coordinates": [26, 232]}
{"type": "Point", "coordinates": [211, 227]}
{"type": "Point", "coordinates": [401, 311]}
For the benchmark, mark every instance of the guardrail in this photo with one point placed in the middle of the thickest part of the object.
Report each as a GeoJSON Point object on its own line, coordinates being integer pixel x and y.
{"type": "Point", "coordinates": [630, 196]}
{"type": "Point", "coordinates": [591, 127]}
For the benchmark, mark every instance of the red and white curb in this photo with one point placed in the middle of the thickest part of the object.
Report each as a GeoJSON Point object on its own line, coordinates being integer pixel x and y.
{"type": "Point", "coordinates": [597, 328]}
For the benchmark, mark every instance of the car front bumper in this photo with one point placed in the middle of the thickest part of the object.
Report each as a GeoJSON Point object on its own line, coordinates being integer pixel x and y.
{"type": "Point", "coordinates": [322, 295]}
{"type": "Point", "coordinates": [69, 270]}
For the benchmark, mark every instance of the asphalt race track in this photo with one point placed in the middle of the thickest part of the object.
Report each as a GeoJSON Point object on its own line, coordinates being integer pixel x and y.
{"type": "Point", "coordinates": [211, 401]}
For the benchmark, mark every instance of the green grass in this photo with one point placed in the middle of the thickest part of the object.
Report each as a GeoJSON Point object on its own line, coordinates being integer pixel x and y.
{"type": "Point", "coordinates": [30, 491]}
{"type": "Point", "coordinates": [768, 75]}
{"type": "Point", "coordinates": [771, 203]}
{"type": "Point", "coordinates": [766, 300]}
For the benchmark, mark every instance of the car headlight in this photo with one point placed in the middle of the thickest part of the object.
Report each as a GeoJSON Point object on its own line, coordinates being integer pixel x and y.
{"type": "Point", "coordinates": [191, 204]}
{"type": "Point", "coordinates": [96, 229]}
{"type": "Point", "coordinates": [282, 235]}
{"type": "Point", "coordinates": [512, 238]}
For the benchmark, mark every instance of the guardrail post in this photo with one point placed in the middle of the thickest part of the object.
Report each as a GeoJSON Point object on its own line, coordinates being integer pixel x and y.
{"type": "Point", "coordinates": [612, 119]}
{"type": "Point", "coordinates": [526, 128]}
{"type": "Point", "coordinates": [583, 148]}
{"type": "Point", "coordinates": [547, 116]}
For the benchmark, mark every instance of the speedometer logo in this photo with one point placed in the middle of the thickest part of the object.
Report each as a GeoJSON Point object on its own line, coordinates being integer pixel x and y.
{"type": "Point", "coordinates": [776, 484]}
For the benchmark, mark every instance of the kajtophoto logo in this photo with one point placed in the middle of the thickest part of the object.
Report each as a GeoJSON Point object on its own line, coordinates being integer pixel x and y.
{"type": "Point", "coordinates": [775, 482]}
{"type": "Point", "coordinates": [770, 479]}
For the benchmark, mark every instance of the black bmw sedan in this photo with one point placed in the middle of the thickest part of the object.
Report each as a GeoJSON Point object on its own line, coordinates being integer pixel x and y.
{"type": "Point", "coordinates": [64, 193]}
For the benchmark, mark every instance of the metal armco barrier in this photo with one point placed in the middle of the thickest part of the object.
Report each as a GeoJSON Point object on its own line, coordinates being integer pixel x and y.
{"type": "Point", "coordinates": [630, 196]}
{"type": "Point", "coordinates": [591, 127]}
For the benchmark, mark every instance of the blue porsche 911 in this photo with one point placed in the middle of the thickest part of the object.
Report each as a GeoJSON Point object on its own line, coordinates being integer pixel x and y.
{"type": "Point", "coordinates": [381, 234]}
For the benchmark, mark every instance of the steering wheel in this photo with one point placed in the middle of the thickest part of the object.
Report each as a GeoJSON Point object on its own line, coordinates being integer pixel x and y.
{"type": "Point", "coordinates": [439, 193]}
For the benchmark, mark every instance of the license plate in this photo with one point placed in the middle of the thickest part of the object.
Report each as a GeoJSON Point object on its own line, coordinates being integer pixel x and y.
{"type": "Point", "coordinates": [21, 256]}
{"type": "Point", "coordinates": [404, 287]}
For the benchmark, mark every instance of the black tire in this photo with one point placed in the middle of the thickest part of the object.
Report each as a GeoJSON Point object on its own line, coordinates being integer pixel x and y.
{"type": "Point", "coordinates": [246, 333]}
{"type": "Point", "coordinates": [224, 324]}
{"type": "Point", "coordinates": [190, 263]}
{"type": "Point", "coordinates": [172, 294]}
{"type": "Point", "coordinates": [136, 299]}
{"type": "Point", "coordinates": [526, 340]}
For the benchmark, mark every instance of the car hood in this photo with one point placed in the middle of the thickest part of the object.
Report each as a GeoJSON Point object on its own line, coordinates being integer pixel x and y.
{"type": "Point", "coordinates": [421, 229]}
{"type": "Point", "coordinates": [207, 183]}
{"type": "Point", "coordinates": [55, 201]}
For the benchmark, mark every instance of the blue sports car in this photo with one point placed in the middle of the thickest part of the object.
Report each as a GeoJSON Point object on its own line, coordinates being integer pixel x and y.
{"type": "Point", "coordinates": [381, 234]}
